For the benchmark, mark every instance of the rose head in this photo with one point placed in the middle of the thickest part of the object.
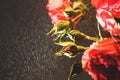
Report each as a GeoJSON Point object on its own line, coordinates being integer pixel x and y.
{"type": "Point", "coordinates": [102, 60]}
{"type": "Point", "coordinates": [55, 9]}
{"type": "Point", "coordinates": [107, 21]}
{"type": "Point", "coordinates": [107, 10]}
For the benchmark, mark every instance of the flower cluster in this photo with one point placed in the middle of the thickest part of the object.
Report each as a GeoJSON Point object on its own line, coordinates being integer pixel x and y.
{"type": "Point", "coordinates": [102, 58]}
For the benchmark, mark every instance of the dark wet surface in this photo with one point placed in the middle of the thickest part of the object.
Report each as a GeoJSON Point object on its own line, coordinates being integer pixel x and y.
{"type": "Point", "coordinates": [26, 52]}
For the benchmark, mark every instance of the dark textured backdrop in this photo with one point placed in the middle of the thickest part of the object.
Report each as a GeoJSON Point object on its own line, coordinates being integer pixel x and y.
{"type": "Point", "coordinates": [26, 52]}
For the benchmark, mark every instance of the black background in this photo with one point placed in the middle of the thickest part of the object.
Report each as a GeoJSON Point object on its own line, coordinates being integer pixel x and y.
{"type": "Point", "coordinates": [26, 52]}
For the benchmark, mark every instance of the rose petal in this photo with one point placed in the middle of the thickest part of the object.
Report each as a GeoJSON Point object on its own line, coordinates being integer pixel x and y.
{"type": "Point", "coordinates": [55, 9]}
{"type": "Point", "coordinates": [102, 59]}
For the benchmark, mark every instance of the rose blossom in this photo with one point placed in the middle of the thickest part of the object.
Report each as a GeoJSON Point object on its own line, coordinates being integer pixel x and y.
{"type": "Point", "coordinates": [102, 60]}
{"type": "Point", "coordinates": [107, 21]}
{"type": "Point", "coordinates": [55, 9]}
{"type": "Point", "coordinates": [107, 11]}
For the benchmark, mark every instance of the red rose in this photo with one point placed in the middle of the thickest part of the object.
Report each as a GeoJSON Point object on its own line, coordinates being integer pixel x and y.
{"type": "Point", "coordinates": [107, 11]}
{"type": "Point", "coordinates": [55, 9]}
{"type": "Point", "coordinates": [107, 21]}
{"type": "Point", "coordinates": [102, 60]}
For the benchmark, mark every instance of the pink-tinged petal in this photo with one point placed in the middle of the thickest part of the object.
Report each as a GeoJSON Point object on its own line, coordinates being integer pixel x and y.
{"type": "Point", "coordinates": [107, 21]}
{"type": "Point", "coordinates": [53, 4]}
{"type": "Point", "coordinates": [56, 8]}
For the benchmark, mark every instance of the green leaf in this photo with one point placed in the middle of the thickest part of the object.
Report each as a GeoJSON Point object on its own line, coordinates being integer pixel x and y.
{"type": "Point", "coordinates": [79, 5]}
{"type": "Point", "coordinates": [52, 31]}
{"type": "Point", "coordinates": [68, 12]}
{"type": "Point", "coordinates": [63, 25]}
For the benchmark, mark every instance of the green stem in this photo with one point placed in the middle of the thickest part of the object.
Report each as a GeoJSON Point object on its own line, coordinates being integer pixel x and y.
{"type": "Point", "coordinates": [74, 19]}
{"type": "Point", "coordinates": [82, 48]}
{"type": "Point", "coordinates": [88, 37]}
{"type": "Point", "coordinates": [99, 32]}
